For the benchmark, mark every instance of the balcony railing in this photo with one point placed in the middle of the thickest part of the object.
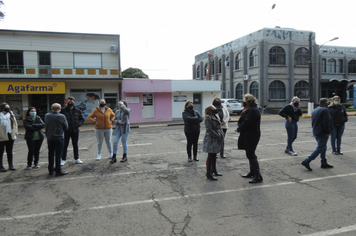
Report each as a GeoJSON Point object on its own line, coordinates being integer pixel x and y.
{"type": "Point", "coordinates": [56, 71]}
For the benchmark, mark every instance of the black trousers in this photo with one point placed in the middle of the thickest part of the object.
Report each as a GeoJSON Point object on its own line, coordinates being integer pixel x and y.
{"type": "Point", "coordinates": [192, 140]}
{"type": "Point", "coordinates": [75, 137]}
{"type": "Point", "coordinates": [34, 147]}
{"type": "Point", "coordinates": [8, 145]}
{"type": "Point", "coordinates": [252, 158]}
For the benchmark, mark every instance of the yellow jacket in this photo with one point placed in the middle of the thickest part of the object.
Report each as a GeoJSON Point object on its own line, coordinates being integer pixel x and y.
{"type": "Point", "coordinates": [104, 119]}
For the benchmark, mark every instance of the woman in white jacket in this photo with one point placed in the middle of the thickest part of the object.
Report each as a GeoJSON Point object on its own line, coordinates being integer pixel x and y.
{"type": "Point", "coordinates": [224, 117]}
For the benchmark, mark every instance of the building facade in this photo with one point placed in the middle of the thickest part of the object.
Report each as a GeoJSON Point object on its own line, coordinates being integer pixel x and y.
{"type": "Point", "coordinates": [275, 64]}
{"type": "Point", "coordinates": [40, 68]}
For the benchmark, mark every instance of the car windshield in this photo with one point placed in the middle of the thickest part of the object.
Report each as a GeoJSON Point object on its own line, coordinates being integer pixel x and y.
{"type": "Point", "coordinates": [233, 101]}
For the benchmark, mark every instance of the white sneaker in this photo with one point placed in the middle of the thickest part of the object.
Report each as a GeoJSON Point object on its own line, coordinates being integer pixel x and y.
{"type": "Point", "coordinates": [292, 153]}
{"type": "Point", "coordinates": [78, 161]}
{"type": "Point", "coordinates": [98, 157]}
{"type": "Point", "coordinates": [63, 163]}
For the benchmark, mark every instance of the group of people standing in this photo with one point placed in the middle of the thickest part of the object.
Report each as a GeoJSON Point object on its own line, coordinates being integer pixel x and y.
{"type": "Point", "coordinates": [216, 124]}
{"type": "Point", "coordinates": [61, 126]}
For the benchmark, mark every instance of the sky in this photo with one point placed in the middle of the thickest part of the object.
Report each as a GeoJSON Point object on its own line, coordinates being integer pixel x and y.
{"type": "Point", "coordinates": [162, 37]}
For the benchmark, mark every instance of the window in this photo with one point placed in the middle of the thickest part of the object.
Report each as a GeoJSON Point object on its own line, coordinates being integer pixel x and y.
{"type": "Point", "coordinates": [206, 69]}
{"type": "Point", "coordinates": [323, 65]}
{"type": "Point", "coordinates": [352, 66]}
{"type": "Point", "coordinates": [277, 90]}
{"type": "Point", "coordinates": [239, 91]}
{"type": "Point", "coordinates": [111, 100]}
{"type": "Point", "coordinates": [212, 68]}
{"type": "Point", "coordinates": [331, 66]}
{"type": "Point", "coordinates": [219, 66]}
{"type": "Point", "coordinates": [227, 61]}
{"type": "Point", "coordinates": [44, 58]}
{"type": "Point", "coordinates": [253, 58]}
{"type": "Point", "coordinates": [238, 62]}
{"type": "Point", "coordinates": [301, 89]}
{"type": "Point", "coordinates": [87, 60]}
{"type": "Point", "coordinates": [11, 62]}
{"type": "Point", "coordinates": [254, 89]}
{"type": "Point", "coordinates": [340, 66]}
{"type": "Point", "coordinates": [198, 71]}
{"type": "Point", "coordinates": [301, 57]}
{"type": "Point", "coordinates": [350, 90]}
{"type": "Point", "coordinates": [277, 56]}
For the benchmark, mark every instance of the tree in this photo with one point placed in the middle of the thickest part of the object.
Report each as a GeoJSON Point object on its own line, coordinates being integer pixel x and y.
{"type": "Point", "coordinates": [134, 73]}
{"type": "Point", "coordinates": [2, 14]}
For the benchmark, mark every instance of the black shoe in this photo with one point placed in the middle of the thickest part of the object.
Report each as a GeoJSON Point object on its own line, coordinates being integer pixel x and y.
{"type": "Point", "coordinates": [123, 159]}
{"type": "Point", "coordinates": [11, 167]}
{"type": "Point", "coordinates": [210, 176]}
{"type": "Point", "coordinates": [249, 175]}
{"type": "Point", "coordinates": [196, 159]}
{"type": "Point", "coordinates": [190, 159]}
{"type": "Point", "coordinates": [306, 164]}
{"type": "Point", "coordinates": [2, 169]}
{"type": "Point", "coordinates": [222, 155]}
{"type": "Point", "coordinates": [217, 173]}
{"type": "Point", "coordinates": [51, 173]}
{"type": "Point", "coordinates": [339, 152]}
{"type": "Point", "coordinates": [326, 166]}
{"type": "Point", "coordinates": [335, 153]}
{"type": "Point", "coordinates": [61, 173]}
{"type": "Point", "coordinates": [113, 159]}
{"type": "Point", "coordinates": [256, 179]}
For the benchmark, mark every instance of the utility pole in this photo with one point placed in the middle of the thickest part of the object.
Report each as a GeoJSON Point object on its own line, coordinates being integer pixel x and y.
{"type": "Point", "coordinates": [311, 87]}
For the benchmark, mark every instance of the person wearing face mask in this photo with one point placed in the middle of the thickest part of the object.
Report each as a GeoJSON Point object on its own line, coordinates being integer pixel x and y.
{"type": "Point", "coordinates": [34, 137]}
{"type": "Point", "coordinates": [339, 118]}
{"type": "Point", "coordinates": [213, 141]}
{"type": "Point", "coordinates": [75, 119]}
{"type": "Point", "coordinates": [122, 130]}
{"type": "Point", "coordinates": [102, 117]}
{"type": "Point", "coordinates": [224, 117]}
{"type": "Point", "coordinates": [192, 120]}
{"type": "Point", "coordinates": [8, 132]}
{"type": "Point", "coordinates": [250, 133]}
{"type": "Point", "coordinates": [291, 113]}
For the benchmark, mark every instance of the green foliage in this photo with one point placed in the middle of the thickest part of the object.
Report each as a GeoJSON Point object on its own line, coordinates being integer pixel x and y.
{"type": "Point", "coordinates": [2, 14]}
{"type": "Point", "coordinates": [134, 73]}
{"type": "Point", "coordinates": [347, 105]}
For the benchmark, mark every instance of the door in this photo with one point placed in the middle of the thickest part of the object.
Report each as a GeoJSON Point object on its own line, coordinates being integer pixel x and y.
{"type": "Point", "coordinates": [197, 102]}
{"type": "Point", "coordinates": [148, 109]}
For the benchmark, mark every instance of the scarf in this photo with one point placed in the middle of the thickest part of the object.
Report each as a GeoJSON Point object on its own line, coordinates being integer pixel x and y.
{"type": "Point", "coordinates": [295, 109]}
{"type": "Point", "coordinates": [244, 111]}
{"type": "Point", "coordinates": [6, 121]}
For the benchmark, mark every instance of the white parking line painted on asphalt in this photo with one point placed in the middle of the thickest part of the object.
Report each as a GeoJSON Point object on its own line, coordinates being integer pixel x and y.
{"type": "Point", "coordinates": [334, 231]}
{"type": "Point", "coordinates": [138, 144]}
{"type": "Point", "coordinates": [196, 195]}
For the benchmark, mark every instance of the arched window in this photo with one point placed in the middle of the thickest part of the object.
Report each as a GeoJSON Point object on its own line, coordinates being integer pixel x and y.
{"type": "Point", "coordinates": [198, 71]}
{"type": "Point", "coordinates": [254, 89]}
{"type": "Point", "coordinates": [352, 66]}
{"type": "Point", "coordinates": [227, 61]}
{"type": "Point", "coordinates": [277, 90]}
{"type": "Point", "coordinates": [301, 89]}
{"type": "Point", "coordinates": [340, 66]}
{"type": "Point", "coordinates": [301, 56]}
{"type": "Point", "coordinates": [239, 91]}
{"type": "Point", "coordinates": [331, 66]}
{"type": "Point", "coordinates": [253, 58]}
{"type": "Point", "coordinates": [350, 89]}
{"type": "Point", "coordinates": [219, 66]}
{"type": "Point", "coordinates": [277, 56]}
{"type": "Point", "coordinates": [212, 68]}
{"type": "Point", "coordinates": [238, 62]}
{"type": "Point", "coordinates": [323, 65]}
{"type": "Point", "coordinates": [206, 69]}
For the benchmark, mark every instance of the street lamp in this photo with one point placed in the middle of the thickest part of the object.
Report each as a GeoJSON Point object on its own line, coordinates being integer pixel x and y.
{"type": "Point", "coordinates": [311, 93]}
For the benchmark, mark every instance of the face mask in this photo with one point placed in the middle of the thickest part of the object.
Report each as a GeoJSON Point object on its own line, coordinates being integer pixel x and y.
{"type": "Point", "coordinates": [190, 107]}
{"type": "Point", "coordinates": [102, 104]}
{"type": "Point", "coordinates": [244, 104]}
{"type": "Point", "coordinates": [7, 109]}
{"type": "Point", "coordinates": [70, 104]}
{"type": "Point", "coordinates": [32, 113]}
{"type": "Point", "coordinates": [296, 104]}
{"type": "Point", "coordinates": [217, 103]}
{"type": "Point", "coordinates": [336, 102]}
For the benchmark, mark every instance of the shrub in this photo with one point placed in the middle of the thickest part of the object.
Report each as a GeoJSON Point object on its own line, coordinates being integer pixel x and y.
{"type": "Point", "coordinates": [347, 105]}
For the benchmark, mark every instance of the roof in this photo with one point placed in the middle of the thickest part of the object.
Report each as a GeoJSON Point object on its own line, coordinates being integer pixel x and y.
{"type": "Point", "coordinates": [52, 32]}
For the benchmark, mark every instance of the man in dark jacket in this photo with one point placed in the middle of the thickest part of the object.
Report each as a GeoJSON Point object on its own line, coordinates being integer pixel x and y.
{"type": "Point", "coordinates": [75, 119]}
{"type": "Point", "coordinates": [321, 123]}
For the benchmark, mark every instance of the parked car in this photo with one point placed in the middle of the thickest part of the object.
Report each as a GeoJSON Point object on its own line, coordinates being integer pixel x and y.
{"type": "Point", "coordinates": [233, 105]}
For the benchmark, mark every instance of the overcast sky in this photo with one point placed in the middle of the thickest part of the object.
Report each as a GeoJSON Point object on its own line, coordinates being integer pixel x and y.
{"type": "Point", "coordinates": [162, 37]}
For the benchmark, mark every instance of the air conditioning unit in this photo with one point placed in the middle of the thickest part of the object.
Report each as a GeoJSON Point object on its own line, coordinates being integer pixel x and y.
{"type": "Point", "coordinates": [113, 49]}
{"type": "Point", "coordinates": [246, 77]}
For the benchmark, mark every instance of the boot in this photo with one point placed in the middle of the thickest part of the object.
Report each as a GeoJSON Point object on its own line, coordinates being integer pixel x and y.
{"type": "Point", "coordinates": [196, 158]}
{"type": "Point", "coordinates": [2, 169]}
{"type": "Point", "coordinates": [210, 176]}
{"type": "Point", "coordinates": [215, 172]}
{"type": "Point", "coordinates": [250, 174]}
{"type": "Point", "coordinates": [190, 159]}
{"type": "Point", "coordinates": [11, 167]}
{"type": "Point", "coordinates": [113, 159]}
{"type": "Point", "coordinates": [258, 177]}
{"type": "Point", "coordinates": [222, 155]}
{"type": "Point", "coordinates": [124, 158]}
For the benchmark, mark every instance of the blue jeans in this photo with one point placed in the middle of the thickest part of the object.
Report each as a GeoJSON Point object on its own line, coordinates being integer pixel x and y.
{"type": "Point", "coordinates": [55, 148]}
{"type": "Point", "coordinates": [335, 135]}
{"type": "Point", "coordinates": [321, 149]}
{"type": "Point", "coordinates": [116, 139]}
{"type": "Point", "coordinates": [292, 131]}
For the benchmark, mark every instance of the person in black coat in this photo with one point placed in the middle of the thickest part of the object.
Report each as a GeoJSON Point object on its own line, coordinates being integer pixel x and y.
{"type": "Point", "coordinates": [34, 136]}
{"type": "Point", "coordinates": [192, 120]}
{"type": "Point", "coordinates": [75, 119]}
{"type": "Point", "coordinates": [250, 133]}
{"type": "Point", "coordinates": [339, 118]}
{"type": "Point", "coordinates": [291, 112]}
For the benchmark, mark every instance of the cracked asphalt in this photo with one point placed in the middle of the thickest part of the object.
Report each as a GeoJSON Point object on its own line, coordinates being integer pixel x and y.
{"type": "Point", "coordinates": [158, 192]}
